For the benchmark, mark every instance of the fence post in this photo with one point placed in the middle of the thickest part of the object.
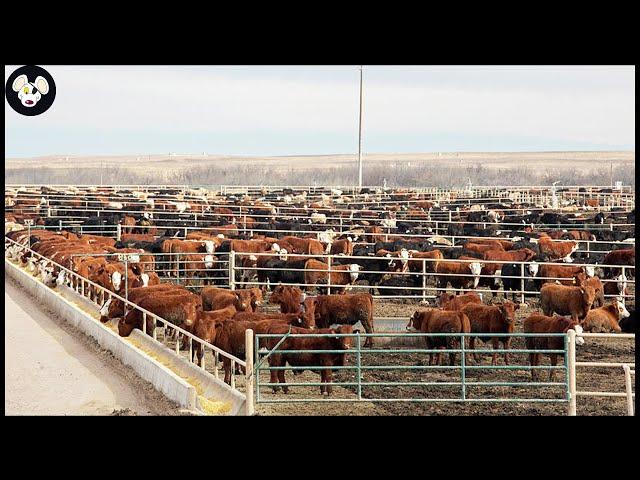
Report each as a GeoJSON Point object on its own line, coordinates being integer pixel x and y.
{"type": "Point", "coordinates": [359, 365]}
{"type": "Point", "coordinates": [329, 279]}
{"type": "Point", "coordinates": [463, 374]}
{"type": "Point", "coordinates": [424, 280]}
{"type": "Point", "coordinates": [126, 279]}
{"type": "Point", "coordinates": [571, 367]}
{"type": "Point", "coordinates": [232, 272]}
{"type": "Point", "coordinates": [29, 236]}
{"type": "Point", "coordinates": [627, 382]}
{"type": "Point", "coordinates": [249, 405]}
{"type": "Point", "coordinates": [522, 283]}
{"type": "Point", "coordinates": [118, 231]}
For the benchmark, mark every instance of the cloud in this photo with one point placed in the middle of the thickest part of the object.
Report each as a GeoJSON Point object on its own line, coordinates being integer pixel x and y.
{"type": "Point", "coordinates": [576, 105]}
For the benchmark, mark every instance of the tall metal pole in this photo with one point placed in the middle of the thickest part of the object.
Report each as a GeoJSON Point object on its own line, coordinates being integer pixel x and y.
{"type": "Point", "coordinates": [360, 135]}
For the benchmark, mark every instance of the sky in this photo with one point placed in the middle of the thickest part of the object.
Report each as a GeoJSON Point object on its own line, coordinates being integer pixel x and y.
{"type": "Point", "coordinates": [308, 110]}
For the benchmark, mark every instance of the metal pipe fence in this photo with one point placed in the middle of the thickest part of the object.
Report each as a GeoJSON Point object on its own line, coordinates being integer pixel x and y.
{"type": "Point", "coordinates": [420, 287]}
{"type": "Point", "coordinates": [575, 393]}
{"type": "Point", "coordinates": [361, 384]}
{"type": "Point", "coordinates": [85, 287]}
{"type": "Point", "coordinates": [116, 231]}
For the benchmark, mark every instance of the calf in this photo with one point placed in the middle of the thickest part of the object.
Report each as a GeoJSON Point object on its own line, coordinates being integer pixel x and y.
{"type": "Point", "coordinates": [537, 323]}
{"type": "Point", "coordinates": [574, 301]}
{"type": "Point", "coordinates": [605, 319]}
{"type": "Point", "coordinates": [207, 325]}
{"type": "Point", "coordinates": [214, 298]}
{"type": "Point", "coordinates": [288, 297]}
{"type": "Point", "coordinates": [433, 320]}
{"type": "Point", "coordinates": [595, 283]}
{"type": "Point", "coordinates": [449, 301]}
{"type": "Point", "coordinates": [492, 319]}
{"type": "Point", "coordinates": [347, 309]}
{"type": "Point", "coordinates": [327, 360]}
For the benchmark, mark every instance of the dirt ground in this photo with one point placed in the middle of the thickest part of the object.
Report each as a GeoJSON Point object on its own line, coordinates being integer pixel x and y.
{"type": "Point", "coordinates": [591, 379]}
{"type": "Point", "coordinates": [52, 368]}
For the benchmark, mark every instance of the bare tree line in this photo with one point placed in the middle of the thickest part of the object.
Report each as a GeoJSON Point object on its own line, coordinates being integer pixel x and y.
{"type": "Point", "coordinates": [375, 173]}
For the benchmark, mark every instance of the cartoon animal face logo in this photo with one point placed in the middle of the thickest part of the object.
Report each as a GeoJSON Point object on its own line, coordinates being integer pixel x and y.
{"type": "Point", "coordinates": [30, 93]}
{"type": "Point", "coordinates": [30, 90]}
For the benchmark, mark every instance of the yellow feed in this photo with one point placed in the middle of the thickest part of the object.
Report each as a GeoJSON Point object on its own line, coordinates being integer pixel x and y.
{"type": "Point", "coordinates": [213, 407]}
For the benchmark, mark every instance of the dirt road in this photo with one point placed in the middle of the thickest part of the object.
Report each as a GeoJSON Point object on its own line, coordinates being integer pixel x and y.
{"type": "Point", "coordinates": [52, 368]}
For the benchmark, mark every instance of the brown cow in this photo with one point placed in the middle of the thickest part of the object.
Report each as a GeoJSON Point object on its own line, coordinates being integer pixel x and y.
{"type": "Point", "coordinates": [309, 344]}
{"type": "Point", "coordinates": [625, 256]}
{"type": "Point", "coordinates": [605, 319]}
{"type": "Point", "coordinates": [449, 301]}
{"type": "Point", "coordinates": [492, 319]}
{"type": "Point", "coordinates": [342, 247]}
{"type": "Point", "coordinates": [288, 297]}
{"type": "Point", "coordinates": [595, 283]}
{"type": "Point", "coordinates": [520, 255]}
{"type": "Point", "coordinates": [574, 301]}
{"type": "Point", "coordinates": [295, 319]}
{"type": "Point", "coordinates": [114, 308]}
{"type": "Point", "coordinates": [180, 310]}
{"type": "Point", "coordinates": [433, 320]}
{"type": "Point", "coordinates": [207, 325]}
{"type": "Point", "coordinates": [549, 273]}
{"type": "Point", "coordinates": [339, 275]}
{"type": "Point", "coordinates": [215, 298]}
{"type": "Point", "coordinates": [537, 323]}
{"type": "Point", "coordinates": [415, 260]}
{"type": "Point", "coordinates": [302, 245]}
{"type": "Point", "coordinates": [482, 247]}
{"type": "Point", "coordinates": [347, 309]}
{"type": "Point", "coordinates": [557, 250]}
{"type": "Point", "coordinates": [452, 272]}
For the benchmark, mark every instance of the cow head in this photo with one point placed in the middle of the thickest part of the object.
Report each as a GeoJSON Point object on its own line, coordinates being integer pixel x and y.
{"type": "Point", "coordinates": [589, 270]}
{"type": "Point", "coordinates": [621, 309]}
{"type": "Point", "coordinates": [354, 268]}
{"type": "Point", "coordinates": [588, 296]}
{"type": "Point", "coordinates": [508, 310]}
{"type": "Point", "coordinates": [208, 261]}
{"type": "Point", "coordinates": [445, 298]}
{"type": "Point", "coordinates": [343, 343]}
{"type": "Point", "coordinates": [60, 280]}
{"type": "Point", "coordinates": [622, 283]}
{"type": "Point", "coordinates": [308, 312]}
{"type": "Point", "coordinates": [283, 254]}
{"type": "Point", "coordinates": [116, 280]}
{"type": "Point", "coordinates": [533, 268]}
{"type": "Point", "coordinates": [476, 268]}
{"type": "Point", "coordinates": [104, 310]}
{"type": "Point", "coordinates": [415, 320]}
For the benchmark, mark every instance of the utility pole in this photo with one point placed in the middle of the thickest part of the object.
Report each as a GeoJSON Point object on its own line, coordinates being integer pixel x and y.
{"type": "Point", "coordinates": [611, 172]}
{"type": "Point", "coordinates": [360, 135]}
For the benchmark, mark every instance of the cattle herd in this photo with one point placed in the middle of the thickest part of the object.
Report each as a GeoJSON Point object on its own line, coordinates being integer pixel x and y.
{"type": "Point", "coordinates": [321, 261]}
